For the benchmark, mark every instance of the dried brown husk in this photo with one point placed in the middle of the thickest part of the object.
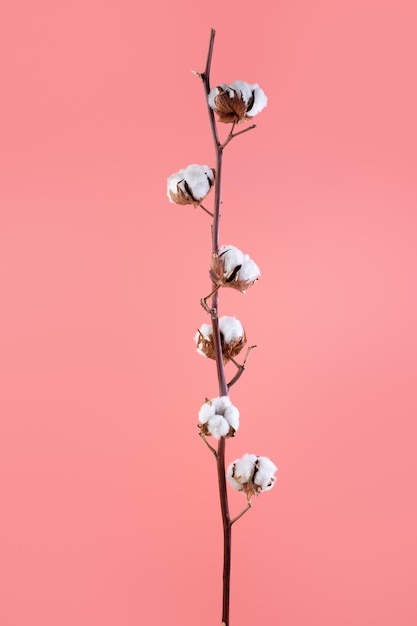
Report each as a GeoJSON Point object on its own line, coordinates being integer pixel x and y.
{"type": "Point", "coordinates": [206, 345]}
{"type": "Point", "coordinates": [229, 350]}
{"type": "Point", "coordinates": [231, 110]}
{"type": "Point", "coordinates": [181, 197]}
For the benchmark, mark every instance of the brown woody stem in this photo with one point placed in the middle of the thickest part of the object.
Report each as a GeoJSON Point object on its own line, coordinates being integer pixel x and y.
{"type": "Point", "coordinates": [213, 311]}
{"type": "Point", "coordinates": [223, 390]}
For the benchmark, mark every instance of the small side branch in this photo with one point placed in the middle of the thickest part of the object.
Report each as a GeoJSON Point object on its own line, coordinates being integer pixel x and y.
{"type": "Point", "coordinates": [232, 135]}
{"type": "Point", "coordinates": [247, 507]}
{"type": "Point", "coordinates": [213, 450]}
{"type": "Point", "coordinates": [206, 210]}
{"type": "Point", "coordinates": [203, 301]}
{"type": "Point", "coordinates": [240, 368]}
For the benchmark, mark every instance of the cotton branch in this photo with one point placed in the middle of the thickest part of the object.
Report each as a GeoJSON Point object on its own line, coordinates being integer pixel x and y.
{"type": "Point", "coordinates": [233, 103]}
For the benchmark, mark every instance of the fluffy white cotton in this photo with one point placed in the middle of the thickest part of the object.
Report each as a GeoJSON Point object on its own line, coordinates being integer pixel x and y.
{"type": "Point", "coordinates": [249, 270]}
{"type": "Point", "coordinates": [221, 404]}
{"type": "Point", "coordinates": [242, 88]}
{"type": "Point", "coordinates": [205, 330]}
{"type": "Point", "coordinates": [231, 257]}
{"type": "Point", "coordinates": [231, 328]}
{"type": "Point", "coordinates": [265, 476]}
{"type": "Point", "coordinates": [199, 179]}
{"type": "Point", "coordinates": [220, 416]}
{"type": "Point", "coordinates": [252, 473]}
{"type": "Point", "coordinates": [240, 471]}
{"type": "Point", "coordinates": [206, 412]}
{"type": "Point", "coordinates": [231, 415]}
{"type": "Point", "coordinates": [259, 101]}
{"type": "Point", "coordinates": [218, 427]}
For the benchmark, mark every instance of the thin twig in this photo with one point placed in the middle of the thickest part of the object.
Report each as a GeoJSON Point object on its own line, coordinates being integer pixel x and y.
{"type": "Point", "coordinates": [213, 450]}
{"type": "Point", "coordinates": [233, 135]}
{"type": "Point", "coordinates": [206, 210]}
{"type": "Point", "coordinates": [247, 507]}
{"type": "Point", "coordinates": [203, 301]}
{"type": "Point", "coordinates": [241, 368]}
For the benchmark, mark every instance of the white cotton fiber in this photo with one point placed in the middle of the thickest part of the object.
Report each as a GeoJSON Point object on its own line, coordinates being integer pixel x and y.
{"type": "Point", "coordinates": [231, 328]}
{"type": "Point", "coordinates": [231, 257]}
{"type": "Point", "coordinates": [249, 271]}
{"type": "Point", "coordinates": [218, 427]}
{"type": "Point", "coordinates": [206, 412]}
{"type": "Point", "coordinates": [244, 466]}
{"type": "Point", "coordinates": [231, 414]}
{"type": "Point", "coordinates": [259, 101]}
{"type": "Point", "coordinates": [221, 404]}
{"type": "Point", "coordinates": [265, 476]}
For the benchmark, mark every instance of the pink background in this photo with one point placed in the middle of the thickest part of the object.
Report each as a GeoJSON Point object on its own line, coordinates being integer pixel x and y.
{"type": "Point", "coordinates": [109, 510]}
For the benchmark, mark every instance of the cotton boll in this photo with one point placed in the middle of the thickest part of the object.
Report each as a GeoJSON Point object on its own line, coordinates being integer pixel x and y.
{"type": "Point", "coordinates": [190, 185]}
{"type": "Point", "coordinates": [232, 339]}
{"type": "Point", "coordinates": [237, 101]}
{"type": "Point", "coordinates": [218, 417]}
{"type": "Point", "coordinates": [218, 427]}
{"type": "Point", "coordinates": [230, 267]}
{"type": "Point", "coordinates": [253, 473]}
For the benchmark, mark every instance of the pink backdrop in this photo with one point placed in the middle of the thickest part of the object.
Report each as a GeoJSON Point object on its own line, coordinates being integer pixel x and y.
{"type": "Point", "coordinates": [109, 511]}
